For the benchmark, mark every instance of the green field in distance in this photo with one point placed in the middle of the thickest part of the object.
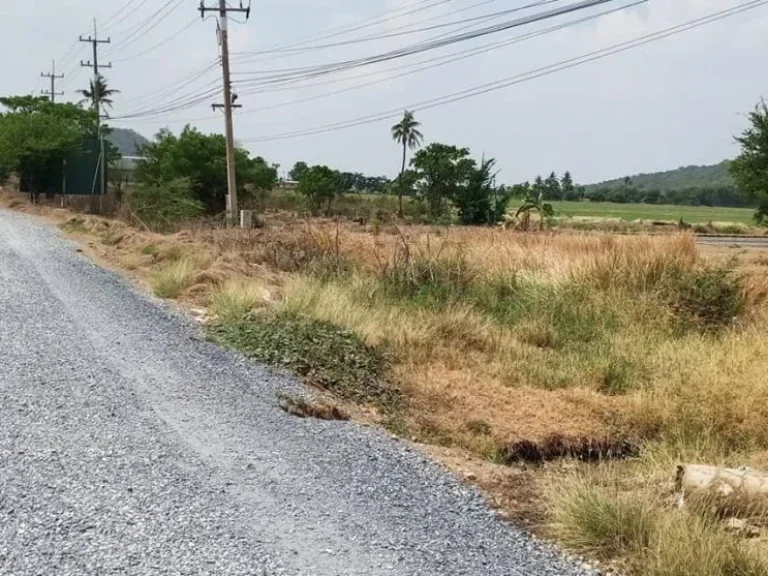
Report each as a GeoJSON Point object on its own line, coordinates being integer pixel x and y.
{"type": "Point", "coordinates": [691, 214]}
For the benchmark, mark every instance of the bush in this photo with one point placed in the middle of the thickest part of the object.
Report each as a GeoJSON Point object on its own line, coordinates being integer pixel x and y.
{"type": "Point", "coordinates": [161, 206]}
{"type": "Point", "coordinates": [708, 298]}
{"type": "Point", "coordinates": [201, 158]}
{"type": "Point", "coordinates": [321, 185]}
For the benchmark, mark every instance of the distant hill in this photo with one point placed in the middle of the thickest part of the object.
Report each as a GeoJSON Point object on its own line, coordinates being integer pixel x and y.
{"type": "Point", "coordinates": [127, 141]}
{"type": "Point", "coordinates": [685, 177]}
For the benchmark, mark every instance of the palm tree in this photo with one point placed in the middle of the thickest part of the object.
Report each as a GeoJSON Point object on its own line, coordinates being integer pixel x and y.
{"type": "Point", "coordinates": [99, 91]}
{"type": "Point", "coordinates": [406, 132]}
{"type": "Point", "coordinates": [534, 203]}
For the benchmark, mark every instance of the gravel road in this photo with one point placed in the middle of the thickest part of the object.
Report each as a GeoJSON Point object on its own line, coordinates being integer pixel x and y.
{"type": "Point", "coordinates": [734, 241]}
{"type": "Point", "coordinates": [129, 445]}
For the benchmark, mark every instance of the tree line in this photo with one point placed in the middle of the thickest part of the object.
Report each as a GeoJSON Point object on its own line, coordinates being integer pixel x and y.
{"type": "Point", "coordinates": [185, 174]}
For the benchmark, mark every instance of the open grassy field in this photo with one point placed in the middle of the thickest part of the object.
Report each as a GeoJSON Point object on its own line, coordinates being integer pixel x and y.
{"type": "Point", "coordinates": [566, 374]}
{"type": "Point", "coordinates": [629, 212]}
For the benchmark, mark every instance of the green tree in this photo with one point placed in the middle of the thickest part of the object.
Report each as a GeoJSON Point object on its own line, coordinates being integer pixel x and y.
{"type": "Point", "coordinates": [520, 190]}
{"type": "Point", "coordinates": [761, 214]}
{"type": "Point", "coordinates": [539, 187]}
{"type": "Point", "coordinates": [98, 88]}
{"type": "Point", "coordinates": [552, 190]}
{"type": "Point", "coordinates": [750, 169]}
{"type": "Point", "coordinates": [321, 185]}
{"type": "Point", "coordinates": [202, 159]}
{"type": "Point", "coordinates": [406, 132]}
{"type": "Point", "coordinates": [298, 169]}
{"type": "Point", "coordinates": [37, 136]}
{"type": "Point", "coordinates": [441, 170]}
{"type": "Point", "coordinates": [570, 191]}
{"type": "Point", "coordinates": [479, 201]}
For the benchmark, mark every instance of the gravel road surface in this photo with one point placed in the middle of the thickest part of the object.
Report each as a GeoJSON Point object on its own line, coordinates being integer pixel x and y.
{"type": "Point", "coordinates": [129, 445]}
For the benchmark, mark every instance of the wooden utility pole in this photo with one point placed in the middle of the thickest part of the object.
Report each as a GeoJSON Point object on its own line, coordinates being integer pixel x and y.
{"type": "Point", "coordinates": [53, 76]}
{"type": "Point", "coordinates": [94, 41]}
{"type": "Point", "coordinates": [228, 105]}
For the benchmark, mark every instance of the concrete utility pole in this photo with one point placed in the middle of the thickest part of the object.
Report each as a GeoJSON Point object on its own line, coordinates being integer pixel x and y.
{"type": "Point", "coordinates": [94, 41]}
{"type": "Point", "coordinates": [228, 105]}
{"type": "Point", "coordinates": [53, 76]}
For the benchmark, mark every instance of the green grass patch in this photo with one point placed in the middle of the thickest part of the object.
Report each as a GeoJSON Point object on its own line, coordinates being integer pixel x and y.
{"type": "Point", "coordinates": [651, 212]}
{"type": "Point", "coordinates": [149, 250]}
{"type": "Point", "coordinates": [323, 354]}
{"type": "Point", "coordinates": [74, 225]}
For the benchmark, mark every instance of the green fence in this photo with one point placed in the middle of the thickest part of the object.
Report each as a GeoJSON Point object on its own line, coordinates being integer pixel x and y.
{"type": "Point", "coordinates": [77, 176]}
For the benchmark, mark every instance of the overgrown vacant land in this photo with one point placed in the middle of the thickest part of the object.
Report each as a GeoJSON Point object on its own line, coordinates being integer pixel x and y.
{"type": "Point", "coordinates": [611, 358]}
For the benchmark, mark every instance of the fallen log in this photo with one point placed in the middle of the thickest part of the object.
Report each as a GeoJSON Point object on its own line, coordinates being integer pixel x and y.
{"type": "Point", "coordinates": [733, 490]}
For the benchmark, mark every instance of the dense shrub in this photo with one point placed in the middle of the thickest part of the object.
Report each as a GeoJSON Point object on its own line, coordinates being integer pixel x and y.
{"type": "Point", "coordinates": [162, 205]}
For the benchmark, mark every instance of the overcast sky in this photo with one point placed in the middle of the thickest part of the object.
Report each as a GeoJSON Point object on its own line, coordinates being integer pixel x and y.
{"type": "Point", "coordinates": [675, 102]}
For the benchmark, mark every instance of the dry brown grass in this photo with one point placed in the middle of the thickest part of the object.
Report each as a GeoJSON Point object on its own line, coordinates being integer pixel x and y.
{"type": "Point", "coordinates": [642, 535]}
{"type": "Point", "coordinates": [235, 298]}
{"type": "Point", "coordinates": [500, 337]}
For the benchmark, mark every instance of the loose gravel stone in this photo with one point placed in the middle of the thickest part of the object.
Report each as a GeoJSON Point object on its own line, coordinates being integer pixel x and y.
{"type": "Point", "coordinates": [128, 445]}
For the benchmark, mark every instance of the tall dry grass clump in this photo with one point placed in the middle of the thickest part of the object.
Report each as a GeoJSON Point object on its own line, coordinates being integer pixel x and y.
{"type": "Point", "coordinates": [235, 298]}
{"type": "Point", "coordinates": [174, 276]}
{"type": "Point", "coordinates": [644, 537]}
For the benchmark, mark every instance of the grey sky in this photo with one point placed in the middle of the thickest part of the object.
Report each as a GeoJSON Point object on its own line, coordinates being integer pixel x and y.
{"type": "Point", "coordinates": [675, 102]}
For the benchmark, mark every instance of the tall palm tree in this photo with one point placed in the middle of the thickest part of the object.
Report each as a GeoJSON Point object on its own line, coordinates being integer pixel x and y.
{"type": "Point", "coordinates": [99, 90]}
{"type": "Point", "coordinates": [406, 132]}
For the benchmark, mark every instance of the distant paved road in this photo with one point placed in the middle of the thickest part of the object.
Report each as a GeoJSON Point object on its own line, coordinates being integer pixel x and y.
{"type": "Point", "coordinates": [129, 446]}
{"type": "Point", "coordinates": [745, 242]}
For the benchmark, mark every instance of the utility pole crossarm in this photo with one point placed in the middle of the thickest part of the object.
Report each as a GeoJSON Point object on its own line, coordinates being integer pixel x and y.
{"type": "Point", "coordinates": [229, 101]}
{"type": "Point", "coordinates": [53, 77]}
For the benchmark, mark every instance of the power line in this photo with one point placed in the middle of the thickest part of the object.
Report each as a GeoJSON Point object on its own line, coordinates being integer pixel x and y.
{"type": "Point", "coordinates": [161, 43]}
{"type": "Point", "coordinates": [433, 63]}
{"type": "Point", "coordinates": [389, 35]}
{"type": "Point", "coordinates": [175, 86]}
{"type": "Point", "coordinates": [144, 27]}
{"type": "Point", "coordinates": [419, 66]}
{"type": "Point", "coordinates": [521, 78]}
{"type": "Point", "coordinates": [115, 19]}
{"type": "Point", "coordinates": [365, 23]}
{"type": "Point", "coordinates": [69, 53]}
{"type": "Point", "coordinates": [313, 72]}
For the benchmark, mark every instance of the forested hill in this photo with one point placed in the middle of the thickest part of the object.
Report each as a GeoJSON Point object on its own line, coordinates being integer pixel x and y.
{"type": "Point", "coordinates": [127, 141]}
{"type": "Point", "coordinates": [686, 177]}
